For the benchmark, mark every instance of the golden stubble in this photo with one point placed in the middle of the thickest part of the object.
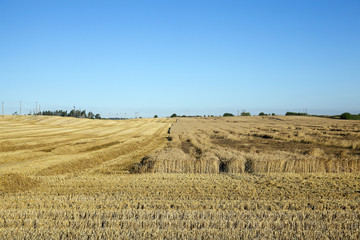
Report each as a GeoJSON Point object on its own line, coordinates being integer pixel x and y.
{"type": "Point", "coordinates": [211, 178]}
{"type": "Point", "coordinates": [258, 144]}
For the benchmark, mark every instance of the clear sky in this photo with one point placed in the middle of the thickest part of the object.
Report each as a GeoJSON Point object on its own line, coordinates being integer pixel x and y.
{"type": "Point", "coordinates": [188, 57]}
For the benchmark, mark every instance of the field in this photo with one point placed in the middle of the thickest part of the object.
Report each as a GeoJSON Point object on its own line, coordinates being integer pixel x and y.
{"type": "Point", "coordinates": [209, 178]}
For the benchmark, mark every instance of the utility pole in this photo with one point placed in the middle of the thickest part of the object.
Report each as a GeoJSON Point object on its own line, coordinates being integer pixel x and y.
{"type": "Point", "coordinates": [20, 108]}
{"type": "Point", "coordinates": [36, 109]}
{"type": "Point", "coordinates": [39, 108]}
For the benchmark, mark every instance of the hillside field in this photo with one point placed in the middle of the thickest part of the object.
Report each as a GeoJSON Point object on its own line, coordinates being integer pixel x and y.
{"type": "Point", "coordinates": [282, 177]}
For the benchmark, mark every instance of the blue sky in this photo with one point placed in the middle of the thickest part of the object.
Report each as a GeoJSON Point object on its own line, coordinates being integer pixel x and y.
{"type": "Point", "coordinates": [188, 57]}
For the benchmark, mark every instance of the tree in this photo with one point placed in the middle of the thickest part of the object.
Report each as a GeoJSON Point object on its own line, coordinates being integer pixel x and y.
{"type": "Point", "coordinates": [90, 115]}
{"type": "Point", "coordinates": [173, 115]}
{"type": "Point", "coordinates": [72, 113]}
{"type": "Point", "coordinates": [155, 116]}
{"type": "Point", "coordinates": [64, 113]}
{"type": "Point", "coordinates": [97, 116]}
{"type": "Point", "coordinates": [77, 113]}
{"type": "Point", "coordinates": [295, 114]}
{"type": "Point", "coordinates": [262, 114]}
{"type": "Point", "coordinates": [228, 115]}
{"type": "Point", "coordinates": [346, 115]}
{"type": "Point", "coordinates": [83, 114]}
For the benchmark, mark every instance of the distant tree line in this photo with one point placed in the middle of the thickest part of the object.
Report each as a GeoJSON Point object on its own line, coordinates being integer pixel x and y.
{"type": "Point", "coordinates": [347, 115]}
{"type": "Point", "coordinates": [245, 114]}
{"type": "Point", "coordinates": [296, 114]}
{"type": "Point", "coordinates": [72, 113]}
{"type": "Point", "coordinates": [264, 114]}
{"type": "Point", "coordinates": [174, 115]}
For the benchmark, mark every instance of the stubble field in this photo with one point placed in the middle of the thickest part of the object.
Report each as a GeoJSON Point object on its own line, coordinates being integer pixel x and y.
{"type": "Point", "coordinates": [210, 178]}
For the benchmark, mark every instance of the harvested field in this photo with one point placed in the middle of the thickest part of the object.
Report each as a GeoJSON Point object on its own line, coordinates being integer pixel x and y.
{"type": "Point", "coordinates": [261, 144]}
{"type": "Point", "coordinates": [210, 178]}
{"type": "Point", "coordinates": [46, 146]}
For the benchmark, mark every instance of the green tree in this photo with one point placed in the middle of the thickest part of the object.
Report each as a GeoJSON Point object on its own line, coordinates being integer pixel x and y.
{"type": "Point", "coordinates": [346, 115]}
{"type": "Point", "coordinates": [155, 116]}
{"type": "Point", "coordinates": [77, 113]}
{"type": "Point", "coordinates": [228, 115]}
{"type": "Point", "coordinates": [83, 114]}
{"type": "Point", "coordinates": [97, 116]}
{"type": "Point", "coordinates": [295, 114]}
{"type": "Point", "coordinates": [72, 113]}
{"type": "Point", "coordinates": [90, 115]}
{"type": "Point", "coordinates": [173, 115]}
